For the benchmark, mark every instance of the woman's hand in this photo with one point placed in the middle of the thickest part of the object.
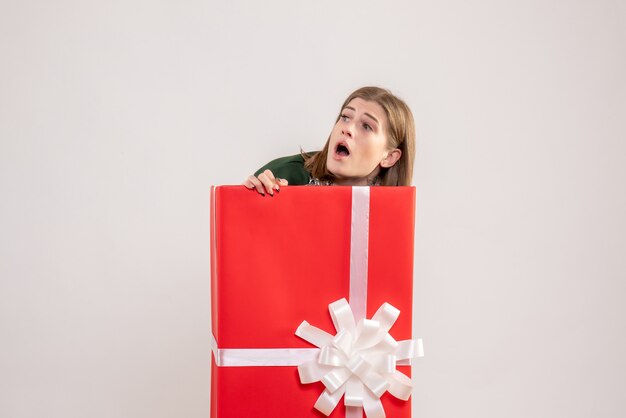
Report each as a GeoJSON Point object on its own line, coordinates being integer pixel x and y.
{"type": "Point", "coordinates": [265, 183]}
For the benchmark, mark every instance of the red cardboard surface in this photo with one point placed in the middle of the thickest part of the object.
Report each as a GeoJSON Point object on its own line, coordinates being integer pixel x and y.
{"type": "Point", "coordinates": [276, 261]}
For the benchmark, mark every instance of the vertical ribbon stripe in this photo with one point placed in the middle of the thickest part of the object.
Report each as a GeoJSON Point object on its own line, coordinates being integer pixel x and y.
{"type": "Point", "coordinates": [359, 244]}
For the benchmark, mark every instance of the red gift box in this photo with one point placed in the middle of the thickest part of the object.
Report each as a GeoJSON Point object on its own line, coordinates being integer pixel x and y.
{"type": "Point", "coordinates": [276, 261]}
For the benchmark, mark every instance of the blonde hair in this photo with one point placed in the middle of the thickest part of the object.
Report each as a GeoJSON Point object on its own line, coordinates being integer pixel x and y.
{"type": "Point", "coordinates": [400, 133]}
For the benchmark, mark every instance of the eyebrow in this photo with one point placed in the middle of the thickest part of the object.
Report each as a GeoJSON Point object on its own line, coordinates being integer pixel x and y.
{"type": "Point", "coordinates": [366, 114]}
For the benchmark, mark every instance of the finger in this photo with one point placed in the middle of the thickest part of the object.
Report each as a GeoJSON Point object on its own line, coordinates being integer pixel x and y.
{"type": "Point", "coordinates": [267, 183]}
{"type": "Point", "coordinates": [282, 182]}
{"type": "Point", "coordinates": [270, 175]}
{"type": "Point", "coordinates": [256, 184]}
{"type": "Point", "coordinates": [248, 183]}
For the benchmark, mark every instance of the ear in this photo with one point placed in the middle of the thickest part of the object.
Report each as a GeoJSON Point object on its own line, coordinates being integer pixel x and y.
{"type": "Point", "coordinates": [392, 157]}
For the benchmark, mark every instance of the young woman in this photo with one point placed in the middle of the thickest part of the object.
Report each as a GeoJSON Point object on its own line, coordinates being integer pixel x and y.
{"type": "Point", "coordinates": [372, 143]}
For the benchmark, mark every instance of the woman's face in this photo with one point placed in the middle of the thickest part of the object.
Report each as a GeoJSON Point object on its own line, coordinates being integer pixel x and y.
{"type": "Point", "coordinates": [358, 143]}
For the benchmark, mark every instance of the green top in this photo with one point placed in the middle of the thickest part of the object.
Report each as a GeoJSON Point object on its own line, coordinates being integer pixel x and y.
{"type": "Point", "coordinates": [289, 168]}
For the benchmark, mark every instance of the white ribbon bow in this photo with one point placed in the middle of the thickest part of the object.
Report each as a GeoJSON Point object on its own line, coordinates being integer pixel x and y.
{"type": "Point", "coordinates": [359, 361]}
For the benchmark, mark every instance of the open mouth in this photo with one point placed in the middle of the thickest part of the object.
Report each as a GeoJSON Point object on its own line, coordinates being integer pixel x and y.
{"type": "Point", "coordinates": [342, 150]}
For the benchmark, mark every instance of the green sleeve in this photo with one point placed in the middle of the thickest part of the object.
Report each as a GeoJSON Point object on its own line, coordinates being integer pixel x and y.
{"type": "Point", "coordinates": [290, 168]}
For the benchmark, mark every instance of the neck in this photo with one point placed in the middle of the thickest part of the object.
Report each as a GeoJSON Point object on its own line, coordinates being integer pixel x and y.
{"type": "Point", "coordinates": [360, 181]}
{"type": "Point", "coordinates": [351, 182]}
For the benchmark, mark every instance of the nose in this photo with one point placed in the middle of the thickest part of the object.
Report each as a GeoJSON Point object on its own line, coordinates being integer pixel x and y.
{"type": "Point", "coordinates": [347, 130]}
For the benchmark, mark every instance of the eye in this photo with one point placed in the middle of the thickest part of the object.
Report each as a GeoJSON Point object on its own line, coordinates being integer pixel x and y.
{"type": "Point", "coordinates": [367, 127]}
{"type": "Point", "coordinates": [344, 118]}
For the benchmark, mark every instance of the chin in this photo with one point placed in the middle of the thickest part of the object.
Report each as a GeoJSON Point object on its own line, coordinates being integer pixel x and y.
{"type": "Point", "coordinates": [333, 168]}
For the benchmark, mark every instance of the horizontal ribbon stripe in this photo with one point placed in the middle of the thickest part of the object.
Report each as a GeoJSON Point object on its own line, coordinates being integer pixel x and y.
{"type": "Point", "coordinates": [243, 357]}
{"type": "Point", "coordinates": [240, 357]}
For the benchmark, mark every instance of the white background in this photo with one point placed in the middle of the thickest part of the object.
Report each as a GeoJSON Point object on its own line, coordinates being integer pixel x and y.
{"type": "Point", "coordinates": [117, 116]}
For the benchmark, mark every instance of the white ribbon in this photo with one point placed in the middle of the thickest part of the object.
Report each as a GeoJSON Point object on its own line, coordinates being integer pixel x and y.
{"type": "Point", "coordinates": [359, 246]}
{"type": "Point", "coordinates": [359, 362]}
{"type": "Point", "coordinates": [242, 357]}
